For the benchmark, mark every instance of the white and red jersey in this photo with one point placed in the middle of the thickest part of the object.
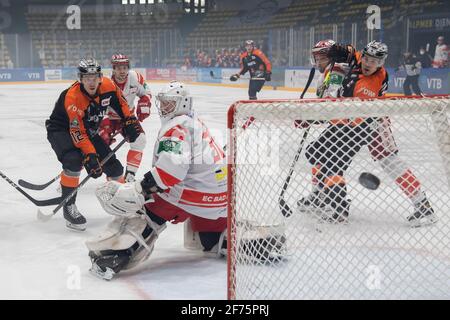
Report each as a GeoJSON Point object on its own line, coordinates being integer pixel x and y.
{"type": "Point", "coordinates": [190, 167]}
{"type": "Point", "coordinates": [329, 82]}
{"type": "Point", "coordinates": [133, 87]}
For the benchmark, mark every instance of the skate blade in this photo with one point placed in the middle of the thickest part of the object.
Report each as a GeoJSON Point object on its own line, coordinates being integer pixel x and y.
{"type": "Point", "coordinates": [76, 227]}
{"type": "Point", "coordinates": [104, 275]}
{"type": "Point", "coordinates": [424, 222]}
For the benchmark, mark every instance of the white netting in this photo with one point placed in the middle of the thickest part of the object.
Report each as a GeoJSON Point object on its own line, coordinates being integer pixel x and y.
{"type": "Point", "coordinates": [376, 253]}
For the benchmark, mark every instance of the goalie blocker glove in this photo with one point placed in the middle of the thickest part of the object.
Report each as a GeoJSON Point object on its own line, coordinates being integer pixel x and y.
{"type": "Point", "coordinates": [149, 185]}
{"type": "Point", "coordinates": [132, 129]}
{"type": "Point", "coordinates": [92, 165]}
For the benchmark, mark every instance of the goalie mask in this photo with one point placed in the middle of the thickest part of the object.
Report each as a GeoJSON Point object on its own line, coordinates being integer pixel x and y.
{"type": "Point", "coordinates": [174, 100]}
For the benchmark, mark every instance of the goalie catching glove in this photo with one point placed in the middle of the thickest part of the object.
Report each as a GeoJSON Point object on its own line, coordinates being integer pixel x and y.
{"type": "Point", "coordinates": [121, 199]}
{"type": "Point", "coordinates": [125, 200]}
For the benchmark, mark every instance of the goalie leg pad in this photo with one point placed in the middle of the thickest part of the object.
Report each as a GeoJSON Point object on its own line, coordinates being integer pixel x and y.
{"type": "Point", "coordinates": [125, 244]}
{"type": "Point", "coordinates": [117, 235]}
{"type": "Point", "coordinates": [144, 247]}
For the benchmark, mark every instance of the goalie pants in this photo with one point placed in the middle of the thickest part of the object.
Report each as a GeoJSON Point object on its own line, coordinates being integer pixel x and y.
{"type": "Point", "coordinates": [172, 213]}
{"type": "Point", "coordinates": [333, 153]}
{"type": "Point", "coordinates": [255, 86]}
{"type": "Point", "coordinates": [72, 158]}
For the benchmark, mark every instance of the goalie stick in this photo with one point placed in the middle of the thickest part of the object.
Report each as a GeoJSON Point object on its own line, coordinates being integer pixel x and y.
{"type": "Point", "coordinates": [284, 207]}
{"type": "Point", "coordinates": [45, 217]}
{"type": "Point", "coordinates": [211, 73]}
{"type": "Point", "coordinates": [39, 203]}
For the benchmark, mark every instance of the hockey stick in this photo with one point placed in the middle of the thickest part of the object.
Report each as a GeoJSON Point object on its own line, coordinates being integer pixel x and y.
{"type": "Point", "coordinates": [211, 73]}
{"type": "Point", "coordinates": [285, 210]}
{"type": "Point", "coordinates": [310, 79]}
{"type": "Point", "coordinates": [33, 186]}
{"type": "Point", "coordinates": [39, 203]}
{"type": "Point", "coordinates": [45, 217]}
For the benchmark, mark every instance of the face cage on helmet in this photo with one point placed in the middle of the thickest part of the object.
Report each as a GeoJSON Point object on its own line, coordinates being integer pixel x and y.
{"type": "Point", "coordinates": [81, 74]}
{"type": "Point", "coordinates": [381, 61]}
{"type": "Point", "coordinates": [312, 58]}
{"type": "Point", "coordinates": [121, 63]}
{"type": "Point", "coordinates": [172, 99]}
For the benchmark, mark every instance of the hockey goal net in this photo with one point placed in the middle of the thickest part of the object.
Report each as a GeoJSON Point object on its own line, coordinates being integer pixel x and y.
{"type": "Point", "coordinates": [395, 241]}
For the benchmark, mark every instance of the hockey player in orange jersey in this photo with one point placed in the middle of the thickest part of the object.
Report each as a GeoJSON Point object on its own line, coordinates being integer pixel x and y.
{"type": "Point", "coordinates": [132, 84]}
{"type": "Point", "coordinates": [72, 131]}
{"type": "Point", "coordinates": [256, 63]}
{"type": "Point", "coordinates": [366, 78]}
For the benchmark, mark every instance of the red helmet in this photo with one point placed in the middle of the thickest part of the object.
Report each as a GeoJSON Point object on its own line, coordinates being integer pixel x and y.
{"type": "Point", "coordinates": [321, 48]}
{"type": "Point", "coordinates": [120, 59]}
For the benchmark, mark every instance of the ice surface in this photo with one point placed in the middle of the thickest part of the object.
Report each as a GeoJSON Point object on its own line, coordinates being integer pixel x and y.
{"type": "Point", "coordinates": [47, 261]}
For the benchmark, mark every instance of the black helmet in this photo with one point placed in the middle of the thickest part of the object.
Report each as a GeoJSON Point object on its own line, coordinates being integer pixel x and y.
{"type": "Point", "coordinates": [89, 66]}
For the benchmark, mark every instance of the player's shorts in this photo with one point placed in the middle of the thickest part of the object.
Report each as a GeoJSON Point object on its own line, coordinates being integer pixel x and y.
{"type": "Point", "coordinates": [172, 213]}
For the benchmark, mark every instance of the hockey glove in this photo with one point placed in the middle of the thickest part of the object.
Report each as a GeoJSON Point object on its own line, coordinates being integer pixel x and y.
{"type": "Point", "coordinates": [149, 185]}
{"type": "Point", "coordinates": [267, 76]}
{"type": "Point", "coordinates": [92, 165]}
{"type": "Point", "coordinates": [143, 108]}
{"type": "Point", "coordinates": [132, 129]}
{"type": "Point", "coordinates": [234, 77]}
{"type": "Point", "coordinates": [341, 53]}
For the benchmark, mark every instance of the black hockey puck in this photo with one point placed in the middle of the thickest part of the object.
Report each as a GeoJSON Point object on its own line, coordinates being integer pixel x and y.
{"type": "Point", "coordinates": [369, 181]}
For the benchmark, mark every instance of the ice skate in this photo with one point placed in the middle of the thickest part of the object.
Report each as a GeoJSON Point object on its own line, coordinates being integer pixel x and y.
{"type": "Point", "coordinates": [74, 219]}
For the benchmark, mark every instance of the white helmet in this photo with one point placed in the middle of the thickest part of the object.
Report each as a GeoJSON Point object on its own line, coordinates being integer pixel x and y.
{"type": "Point", "coordinates": [174, 100]}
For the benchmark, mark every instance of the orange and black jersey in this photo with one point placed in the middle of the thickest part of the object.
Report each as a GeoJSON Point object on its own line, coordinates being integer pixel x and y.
{"type": "Point", "coordinates": [357, 85]}
{"type": "Point", "coordinates": [81, 114]}
{"type": "Point", "coordinates": [256, 61]}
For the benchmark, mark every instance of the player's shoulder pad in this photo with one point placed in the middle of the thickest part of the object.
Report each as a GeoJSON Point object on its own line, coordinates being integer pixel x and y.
{"type": "Point", "coordinates": [243, 54]}
{"type": "Point", "coordinates": [73, 91]}
{"type": "Point", "coordinates": [257, 52]}
{"type": "Point", "coordinates": [140, 77]}
{"type": "Point", "coordinates": [107, 85]}
{"type": "Point", "coordinates": [135, 77]}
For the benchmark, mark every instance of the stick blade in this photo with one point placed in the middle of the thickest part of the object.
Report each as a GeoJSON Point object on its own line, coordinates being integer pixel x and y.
{"type": "Point", "coordinates": [285, 210]}
{"type": "Point", "coordinates": [42, 216]}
